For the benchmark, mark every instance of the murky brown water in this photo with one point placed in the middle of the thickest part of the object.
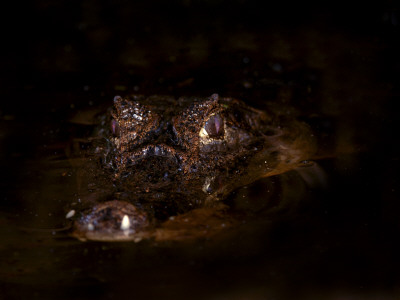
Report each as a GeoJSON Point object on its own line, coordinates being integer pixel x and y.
{"type": "Point", "coordinates": [333, 243]}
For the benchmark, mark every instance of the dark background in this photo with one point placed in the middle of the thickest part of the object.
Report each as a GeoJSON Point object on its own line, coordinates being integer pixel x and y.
{"type": "Point", "coordinates": [338, 62]}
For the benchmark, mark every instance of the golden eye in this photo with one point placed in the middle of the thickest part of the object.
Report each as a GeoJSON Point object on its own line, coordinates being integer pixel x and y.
{"type": "Point", "coordinates": [215, 127]}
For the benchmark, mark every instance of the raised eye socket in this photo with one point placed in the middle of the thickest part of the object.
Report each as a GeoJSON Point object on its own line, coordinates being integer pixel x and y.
{"type": "Point", "coordinates": [215, 126]}
{"type": "Point", "coordinates": [114, 127]}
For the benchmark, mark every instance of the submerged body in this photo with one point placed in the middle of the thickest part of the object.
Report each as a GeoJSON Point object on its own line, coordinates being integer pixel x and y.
{"type": "Point", "coordinates": [157, 162]}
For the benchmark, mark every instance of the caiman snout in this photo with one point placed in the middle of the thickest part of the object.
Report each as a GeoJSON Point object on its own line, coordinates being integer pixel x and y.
{"type": "Point", "coordinates": [112, 220]}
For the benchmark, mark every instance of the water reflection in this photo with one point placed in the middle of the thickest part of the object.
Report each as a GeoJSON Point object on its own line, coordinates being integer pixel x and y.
{"type": "Point", "coordinates": [274, 218]}
{"type": "Point", "coordinates": [285, 232]}
{"type": "Point", "coordinates": [335, 240]}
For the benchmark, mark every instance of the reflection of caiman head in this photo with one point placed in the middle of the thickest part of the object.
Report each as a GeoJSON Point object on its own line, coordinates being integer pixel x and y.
{"type": "Point", "coordinates": [170, 155]}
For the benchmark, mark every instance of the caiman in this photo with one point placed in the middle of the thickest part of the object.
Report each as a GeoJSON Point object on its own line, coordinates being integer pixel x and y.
{"type": "Point", "coordinates": [161, 168]}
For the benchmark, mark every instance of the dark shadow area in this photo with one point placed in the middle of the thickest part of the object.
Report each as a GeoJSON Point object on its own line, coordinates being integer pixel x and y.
{"type": "Point", "coordinates": [337, 66]}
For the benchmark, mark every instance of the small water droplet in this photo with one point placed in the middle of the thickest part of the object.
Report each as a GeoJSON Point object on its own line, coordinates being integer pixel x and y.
{"type": "Point", "coordinates": [70, 214]}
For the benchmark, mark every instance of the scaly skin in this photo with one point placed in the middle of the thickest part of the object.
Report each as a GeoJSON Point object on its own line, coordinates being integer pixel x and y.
{"type": "Point", "coordinates": [164, 160]}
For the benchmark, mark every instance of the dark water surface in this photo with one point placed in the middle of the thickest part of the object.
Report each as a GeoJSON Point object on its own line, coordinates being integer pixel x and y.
{"type": "Point", "coordinates": [336, 69]}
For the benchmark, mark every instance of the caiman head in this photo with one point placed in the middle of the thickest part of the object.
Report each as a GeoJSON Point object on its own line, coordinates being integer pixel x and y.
{"type": "Point", "coordinates": [169, 156]}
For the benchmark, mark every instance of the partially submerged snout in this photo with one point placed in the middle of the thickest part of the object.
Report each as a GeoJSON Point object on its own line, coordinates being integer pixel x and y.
{"type": "Point", "coordinates": [112, 221]}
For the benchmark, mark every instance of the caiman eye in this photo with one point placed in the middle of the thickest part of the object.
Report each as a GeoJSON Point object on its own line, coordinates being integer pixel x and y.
{"type": "Point", "coordinates": [114, 127]}
{"type": "Point", "coordinates": [215, 127]}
